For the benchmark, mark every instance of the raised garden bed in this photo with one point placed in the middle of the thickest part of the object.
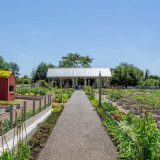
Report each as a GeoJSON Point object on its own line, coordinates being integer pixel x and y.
{"type": "Point", "coordinates": [127, 107]}
{"type": "Point", "coordinates": [134, 111]}
{"type": "Point", "coordinates": [28, 97]}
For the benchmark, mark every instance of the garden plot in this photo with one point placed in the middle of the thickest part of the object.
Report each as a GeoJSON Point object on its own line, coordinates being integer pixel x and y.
{"type": "Point", "coordinates": [136, 137]}
{"type": "Point", "coordinates": [136, 100]}
{"type": "Point", "coordinates": [23, 121]}
{"type": "Point", "coordinates": [32, 107]}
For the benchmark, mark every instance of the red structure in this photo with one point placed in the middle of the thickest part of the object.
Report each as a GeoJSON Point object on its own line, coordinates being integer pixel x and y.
{"type": "Point", "coordinates": [7, 86]}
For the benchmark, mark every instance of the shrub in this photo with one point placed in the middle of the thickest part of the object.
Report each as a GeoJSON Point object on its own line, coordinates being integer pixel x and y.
{"type": "Point", "coordinates": [43, 83]}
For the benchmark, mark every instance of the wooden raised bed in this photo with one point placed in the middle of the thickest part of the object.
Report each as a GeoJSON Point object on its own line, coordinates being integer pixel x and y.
{"type": "Point", "coordinates": [134, 111]}
{"type": "Point", "coordinates": [28, 97]}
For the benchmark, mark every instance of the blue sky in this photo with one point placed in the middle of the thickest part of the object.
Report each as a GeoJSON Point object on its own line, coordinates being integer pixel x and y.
{"type": "Point", "coordinates": [110, 31]}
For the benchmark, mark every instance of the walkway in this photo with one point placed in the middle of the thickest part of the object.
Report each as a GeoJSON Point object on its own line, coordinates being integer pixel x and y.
{"type": "Point", "coordinates": [78, 134]}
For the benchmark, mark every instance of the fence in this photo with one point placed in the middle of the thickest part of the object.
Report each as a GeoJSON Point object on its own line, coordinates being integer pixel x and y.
{"type": "Point", "coordinates": [11, 115]}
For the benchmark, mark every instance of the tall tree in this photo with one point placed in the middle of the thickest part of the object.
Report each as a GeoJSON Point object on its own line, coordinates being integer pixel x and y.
{"type": "Point", "coordinates": [40, 73]}
{"type": "Point", "coordinates": [74, 60]}
{"type": "Point", "coordinates": [147, 73]}
{"type": "Point", "coordinates": [14, 68]}
{"type": "Point", "coordinates": [3, 64]}
{"type": "Point", "coordinates": [9, 66]}
{"type": "Point", "coordinates": [127, 74]}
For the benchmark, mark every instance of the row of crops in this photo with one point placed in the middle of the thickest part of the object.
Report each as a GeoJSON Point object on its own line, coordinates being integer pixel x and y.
{"type": "Point", "coordinates": [135, 99]}
{"type": "Point", "coordinates": [136, 137]}
{"type": "Point", "coordinates": [37, 91]}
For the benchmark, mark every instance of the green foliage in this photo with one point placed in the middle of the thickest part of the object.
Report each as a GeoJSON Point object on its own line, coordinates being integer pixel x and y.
{"type": "Point", "coordinates": [6, 126]}
{"type": "Point", "coordinates": [43, 83]}
{"type": "Point", "coordinates": [37, 142]}
{"type": "Point", "coordinates": [127, 74]}
{"type": "Point", "coordinates": [14, 68]}
{"type": "Point", "coordinates": [9, 66]}
{"type": "Point", "coordinates": [139, 97]}
{"type": "Point", "coordinates": [136, 138]}
{"type": "Point", "coordinates": [40, 72]}
{"type": "Point", "coordinates": [62, 95]}
{"type": "Point", "coordinates": [151, 82]}
{"type": "Point", "coordinates": [37, 91]}
{"type": "Point", "coordinates": [6, 103]}
{"type": "Point", "coordinates": [24, 80]}
{"type": "Point", "coordinates": [22, 153]}
{"type": "Point", "coordinates": [5, 156]}
{"type": "Point", "coordinates": [116, 95]}
{"type": "Point", "coordinates": [74, 60]}
{"type": "Point", "coordinates": [56, 109]}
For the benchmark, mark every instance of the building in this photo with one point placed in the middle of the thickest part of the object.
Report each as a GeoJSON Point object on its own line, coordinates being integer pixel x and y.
{"type": "Point", "coordinates": [7, 86]}
{"type": "Point", "coordinates": [78, 76]}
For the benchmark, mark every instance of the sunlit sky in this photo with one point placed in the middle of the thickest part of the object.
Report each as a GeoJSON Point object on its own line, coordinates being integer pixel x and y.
{"type": "Point", "coordinates": [110, 31]}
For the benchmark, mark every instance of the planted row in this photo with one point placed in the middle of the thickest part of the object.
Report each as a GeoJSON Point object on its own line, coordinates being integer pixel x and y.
{"type": "Point", "coordinates": [136, 138]}
{"type": "Point", "coordinates": [32, 91]}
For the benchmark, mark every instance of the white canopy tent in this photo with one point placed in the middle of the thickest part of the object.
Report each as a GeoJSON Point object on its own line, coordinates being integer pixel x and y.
{"type": "Point", "coordinates": [85, 74]}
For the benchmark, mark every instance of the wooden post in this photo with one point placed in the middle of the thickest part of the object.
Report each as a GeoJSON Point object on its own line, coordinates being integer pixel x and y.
{"type": "Point", "coordinates": [89, 82]}
{"type": "Point", "coordinates": [51, 99]}
{"type": "Point", "coordinates": [73, 85]}
{"type": "Point", "coordinates": [48, 100]}
{"type": "Point", "coordinates": [40, 105]}
{"type": "Point", "coordinates": [34, 105]}
{"type": "Point", "coordinates": [45, 101]}
{"type": "Point", "coordinates": [61, 83]}
{"type": "Point", "coordinates": [100, 94]}
{"type": "Point", "coordinates": [24, 111]}
{"type": "Point", "coordinates": [11, 116]}
{"type": "Point", "coordinates": [85, 81]}
{"type": "Point", "coordinates": [18, 106]}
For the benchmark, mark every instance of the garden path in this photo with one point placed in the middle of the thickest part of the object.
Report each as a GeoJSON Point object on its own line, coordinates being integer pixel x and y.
{"type": "Point", "coordinates": [78, 134]}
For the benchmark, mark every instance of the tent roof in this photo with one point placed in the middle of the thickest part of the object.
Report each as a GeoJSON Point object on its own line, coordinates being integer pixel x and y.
{"type": "Point", "coordinates": [78, 72]}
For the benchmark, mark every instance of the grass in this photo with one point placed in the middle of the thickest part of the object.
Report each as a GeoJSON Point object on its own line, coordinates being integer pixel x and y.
{"type": "Point", "coordinates": [5, 103]}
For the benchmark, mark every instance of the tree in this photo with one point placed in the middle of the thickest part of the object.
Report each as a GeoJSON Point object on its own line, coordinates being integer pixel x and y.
{"type": "Point", "coordinates": [154, 77]}
{"type": "Point", "coordinates": [40, 73]}
{"type": "Point", "coordinates": [14, 68]}
{"type": "Point", "coordinates": [3, 64]}
{"type": "Point", "coordinates": [127, 74]}
{"type": "Point", "coordinates": [147, 73]}
{"type": "Point", "coordinates": [74, 60]}
{"type": "Point", "coordinates": [24, 80]}
{"type": "Point", "coordinates": [9, 66]}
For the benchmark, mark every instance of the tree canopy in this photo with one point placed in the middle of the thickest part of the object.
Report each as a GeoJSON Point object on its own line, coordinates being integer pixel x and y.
{"type": "Point", "coordinates": [74, 60]}
{"type": "Point", "coordinates": [9, 66]}
{"type": "Point", "coordinates": [24, 80]}
{"type": "Point", "coordinates": [127, 74]}
{"type": "Point", "coordinates": [40, 73]}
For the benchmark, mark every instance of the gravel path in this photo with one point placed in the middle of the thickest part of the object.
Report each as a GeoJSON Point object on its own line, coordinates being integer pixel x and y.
{"type": "Point", "coordinates": [78, 134]}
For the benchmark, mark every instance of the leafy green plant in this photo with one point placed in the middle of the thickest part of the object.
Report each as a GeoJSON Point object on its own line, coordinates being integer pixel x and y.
{"type": "Point", "coordinates": [37, 91]}
{"type": "Point", "coordinates": [137, 138]}
{"type": "Point", "coordinates": [57, 109]}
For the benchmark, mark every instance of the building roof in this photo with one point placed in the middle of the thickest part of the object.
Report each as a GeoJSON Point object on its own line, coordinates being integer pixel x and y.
{"type": "Point", "coordinates": [5, 74]}
{"type": "Point", "coordinates": [78, 72]}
